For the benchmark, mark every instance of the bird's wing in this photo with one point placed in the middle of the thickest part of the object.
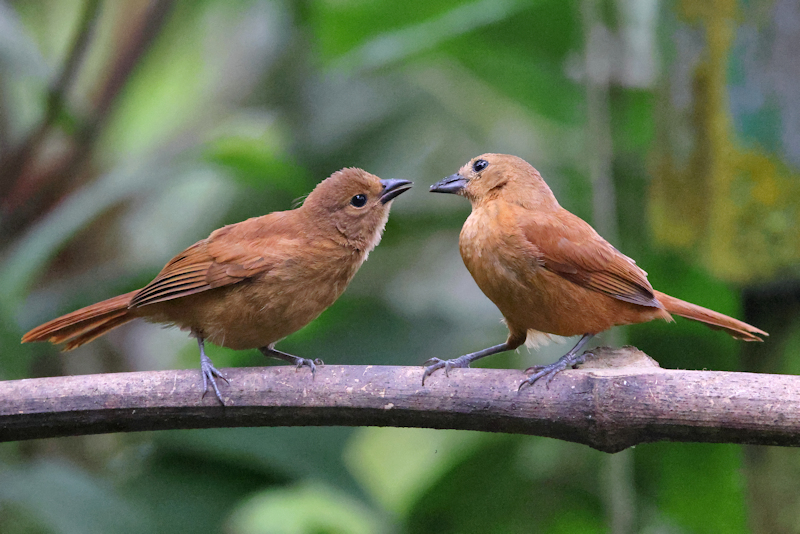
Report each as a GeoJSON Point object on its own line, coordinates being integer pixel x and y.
{"type": "Point", "coordinates": [228, 256]}
{"type": "Point", "coordinates": [569, 247]}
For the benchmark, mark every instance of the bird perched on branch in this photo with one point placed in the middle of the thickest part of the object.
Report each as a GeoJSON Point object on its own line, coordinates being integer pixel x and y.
{"type": "Point", "coordinates": [548, 271]}
{"type": "Point", "coordinates": [250, 284]}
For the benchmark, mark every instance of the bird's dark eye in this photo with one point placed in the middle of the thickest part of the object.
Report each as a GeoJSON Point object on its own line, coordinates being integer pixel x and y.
{"type": "Point", "coordinates": [479, 165]}
{"type": "Point", "coordinates": [358, 201]}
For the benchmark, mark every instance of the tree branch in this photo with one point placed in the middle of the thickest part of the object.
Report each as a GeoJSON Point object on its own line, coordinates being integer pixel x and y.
{"type": "Point", "coordinates": [606, 407]}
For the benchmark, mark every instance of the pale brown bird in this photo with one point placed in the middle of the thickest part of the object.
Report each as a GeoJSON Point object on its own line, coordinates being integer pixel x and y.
{"type": "Point", "coordinates": [548, 271]}
{"type": "Point", "coordinates": [250, 284]}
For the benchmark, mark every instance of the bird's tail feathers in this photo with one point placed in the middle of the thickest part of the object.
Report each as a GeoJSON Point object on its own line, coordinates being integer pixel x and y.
{"type": "Point", "coordinates": [84, 325]}
{"type": "Point", "coordinates": [718, 321]}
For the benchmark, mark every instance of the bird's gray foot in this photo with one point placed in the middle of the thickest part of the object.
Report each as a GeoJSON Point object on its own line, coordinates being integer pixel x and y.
{"type": "Point", "coordinates": [306, 362]}
{"type": "Point", "coordinates": [209, 374]}
{"type": "Point", "coordinates": [434, 364]}
{"type": "Point", "coordinates": [548, 372]}
{"type": "Point", "coordinates": [297, 361]}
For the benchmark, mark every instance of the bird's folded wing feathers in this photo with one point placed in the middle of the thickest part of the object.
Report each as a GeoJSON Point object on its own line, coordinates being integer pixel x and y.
{"type": "Point", "coordinates": [209, 264]}
{"type": "Point", "coordinates": [574, 251]}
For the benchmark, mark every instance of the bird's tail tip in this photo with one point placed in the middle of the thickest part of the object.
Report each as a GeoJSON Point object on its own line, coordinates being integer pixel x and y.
{"type": "Point", "coordinates": [82, 326]}
{"type": "Point", "coordinates": [718, 321]}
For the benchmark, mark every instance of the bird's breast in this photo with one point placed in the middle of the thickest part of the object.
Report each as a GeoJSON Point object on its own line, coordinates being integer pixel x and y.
{"type": "Point", "coordinates": [491, 251]}
{"type": "Point", "coordinates": [509, 270]}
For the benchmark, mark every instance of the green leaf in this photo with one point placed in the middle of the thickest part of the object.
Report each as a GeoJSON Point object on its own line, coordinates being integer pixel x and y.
{"type": "Point", "coordinates": [65, 500]}
{"type": "Point", "coordinates": [699, 486]}
{"type": "Point", "coordinates": [293, 452]}
{"type": "Point", "coordinates": [397, 465]}
{"type": "Point", "coordinates": [429, 26]}
{"type": "Point", "coordinates": [494, 490]}
{"type": "Point", "coordinates": [187, 492]}
{"type": "Point", "coordinates": [253, 162]}
{"type": "Point", "coordinates": [309, 508]}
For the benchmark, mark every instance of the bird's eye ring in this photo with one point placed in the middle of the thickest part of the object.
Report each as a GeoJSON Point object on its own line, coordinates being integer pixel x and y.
{"type": "Point", "coordinates": [479, 165]}
{"type": "Point", "coordinates": [359, 201]}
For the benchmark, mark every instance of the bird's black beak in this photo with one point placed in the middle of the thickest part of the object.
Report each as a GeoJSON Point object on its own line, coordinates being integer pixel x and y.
{"type": "Point", "coordinates": [454, 183]}
{"type": "Point", "coordinates": [393, 188]}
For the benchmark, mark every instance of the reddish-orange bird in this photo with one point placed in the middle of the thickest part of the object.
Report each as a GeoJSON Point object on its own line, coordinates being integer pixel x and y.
{"type": "Point", "coordinates": [548, 271]}
{"type": "Point", "coordinates": [250, 284]}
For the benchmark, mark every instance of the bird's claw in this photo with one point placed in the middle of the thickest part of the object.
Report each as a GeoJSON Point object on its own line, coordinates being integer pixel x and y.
{"type": "Point", "coordinates": [311, 364]}
{"type": "Point", "coordinates": [549, 372]}
{"type": "Point", "coordinates": [434, 364]}
{"type": "Point", "coordinates": [209, 373]}
{"type": "Point", "coordinates": [540, 371]}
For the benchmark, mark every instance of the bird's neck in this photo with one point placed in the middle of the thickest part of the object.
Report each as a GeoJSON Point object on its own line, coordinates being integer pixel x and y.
{"type": "Point", "coordinates": [531, 196]}
{"type": "Point", "coordinates": [368, 239]}
{"type": "Point", "coordinates": [351, 240]}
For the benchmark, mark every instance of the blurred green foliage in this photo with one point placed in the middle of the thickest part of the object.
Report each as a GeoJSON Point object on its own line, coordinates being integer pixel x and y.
{"type": "Point", "coordinates": [234, 109]}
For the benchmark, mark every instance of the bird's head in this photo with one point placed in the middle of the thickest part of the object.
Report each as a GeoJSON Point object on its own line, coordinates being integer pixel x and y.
{"type": "Point", "coordinates": [352, 206]}
{"type": "Point", "coordinates": [490, 176]}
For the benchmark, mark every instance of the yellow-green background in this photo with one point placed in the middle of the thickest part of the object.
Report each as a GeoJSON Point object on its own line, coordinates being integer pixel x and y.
{"type": "Point", "coordinates": [239, 108]}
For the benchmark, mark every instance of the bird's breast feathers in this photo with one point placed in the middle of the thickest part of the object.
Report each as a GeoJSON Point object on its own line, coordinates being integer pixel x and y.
{"type": "Point", "coordinates": [491, 249]}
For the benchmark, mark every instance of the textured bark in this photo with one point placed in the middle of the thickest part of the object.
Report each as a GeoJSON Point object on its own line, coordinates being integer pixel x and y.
{"type": "Point", "coordinates": [618, 399]}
